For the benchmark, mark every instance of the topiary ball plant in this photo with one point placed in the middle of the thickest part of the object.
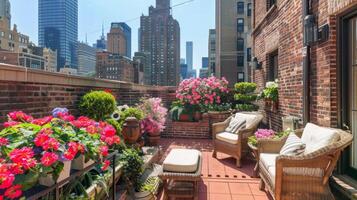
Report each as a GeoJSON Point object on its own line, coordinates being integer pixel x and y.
{"type": "Point", "coordinates": [97, 105]}
{"type": "Point", "coordinates": [245, 95]}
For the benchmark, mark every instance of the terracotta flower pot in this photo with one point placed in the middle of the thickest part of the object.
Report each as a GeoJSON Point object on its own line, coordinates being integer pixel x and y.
{"type": "Point", "coordinates": [131, 130]}
{"type": "Point", "coordinates": [48, 179]}
{"type": "Point", "coordinates": [184, 118]}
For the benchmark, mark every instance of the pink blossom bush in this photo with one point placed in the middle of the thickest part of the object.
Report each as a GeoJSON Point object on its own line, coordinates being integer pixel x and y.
{"type": "Point", "coordinates": [264, 133]}
{"type": "Point", "coordinates": [155, 115]}
{"type": "Point", "coordinates": [206, 91]}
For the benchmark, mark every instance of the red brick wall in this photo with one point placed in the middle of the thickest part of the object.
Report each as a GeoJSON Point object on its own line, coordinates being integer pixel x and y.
{"type": "Point", "coordinates": [197, 130]}
{"type": "Point", "coordinates": [282, 30]}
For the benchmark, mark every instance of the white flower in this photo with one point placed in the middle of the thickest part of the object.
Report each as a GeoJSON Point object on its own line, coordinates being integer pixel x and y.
{"type": "Point", "coordinates": [122, 108]}
{"type": "Point", "coordinates": [116, 115]}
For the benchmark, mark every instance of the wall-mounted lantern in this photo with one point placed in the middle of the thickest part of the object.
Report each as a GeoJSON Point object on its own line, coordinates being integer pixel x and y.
{"type": "Point", "coordinates": [256, 64]}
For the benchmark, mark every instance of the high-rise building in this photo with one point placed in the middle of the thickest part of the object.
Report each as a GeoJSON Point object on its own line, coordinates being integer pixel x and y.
{"type": "Point", "coordinates": [114, 67]}
{"type": "Point", "coordinates": [5, 11]}
{"type": "Point", "coordinates": [212, 51]}
{"type": "Point", "coordinates": [127, 34]}
{"type": "Point", "coordinates": [183, 71]}
{"type": "Point", "coordinates": [182, 61]}
{"type": "Point", "coordinates": [145, 59]}
{"type": "Point", "coordinates": [58, 29]}
{"type": "Point", "coordinates": [189, 55]}
{"type": "Point", "coordinates": [86, 59]}
{"type": "Point", "coordinates": [116, 40]}
{"type": "Point", "coordinates": [50, 57]}
{"type": "Point", "coordinates": [101, 44]}
{"type": "Point", "coordinates": [11, 40]}
{"type": "Point", "coordinates": [160, 37]}
{"type": "Point", "coordinates": [233, 34]}
{"type": "Point", "coordinates": [205, 62]}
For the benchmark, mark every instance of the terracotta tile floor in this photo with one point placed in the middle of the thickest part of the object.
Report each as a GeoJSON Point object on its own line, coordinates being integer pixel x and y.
{"type": "Point", "coordinates": [221, 179]}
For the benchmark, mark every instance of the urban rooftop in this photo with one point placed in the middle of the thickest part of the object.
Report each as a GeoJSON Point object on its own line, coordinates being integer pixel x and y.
{"type": "Point", "coordinates": [270, 114]}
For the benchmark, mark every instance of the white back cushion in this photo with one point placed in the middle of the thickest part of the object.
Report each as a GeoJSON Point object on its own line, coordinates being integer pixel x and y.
{"type": "Point", "coordinates": [235, 125]}
{"type": "Point", "coordinates": [316, 137]}
{"type": "Point", "coordinates": [293, 146]}
{"type": "Point", "coordinates": [249, 118]}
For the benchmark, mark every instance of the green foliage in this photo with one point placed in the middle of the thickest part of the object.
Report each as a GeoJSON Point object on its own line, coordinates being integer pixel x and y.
{"type": "Point", "coordinates": [132, 167]}
{"type": "Point", "coordinates": [245, 96]}
{"type": "Point", "coordinates": [178, 108]}
{"type": "Point", "coordinates": [245, 87]}
{"type": "Point", "coordinates": [98, 105]}
{"type": "Point", "coordinates": [150, 184]}
{"type": "Point", "coordinates": [131, 112]}
{"type": "Point", "coordinates": [270, 92]}
{"type": "Point", "coordinates": [217, 107]}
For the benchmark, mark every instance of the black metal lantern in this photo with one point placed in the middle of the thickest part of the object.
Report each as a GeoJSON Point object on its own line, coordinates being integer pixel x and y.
{"type": "Point", "coordinates": [256, 64]}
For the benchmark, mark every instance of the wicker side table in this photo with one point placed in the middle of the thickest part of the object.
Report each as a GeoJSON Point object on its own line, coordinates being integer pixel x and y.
{"type": "Point", "coordinates": [255, 154]}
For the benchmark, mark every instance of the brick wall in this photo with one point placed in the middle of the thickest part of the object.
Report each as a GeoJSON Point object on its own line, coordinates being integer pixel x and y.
{"type": "Point", "coordinates": [281, 29]}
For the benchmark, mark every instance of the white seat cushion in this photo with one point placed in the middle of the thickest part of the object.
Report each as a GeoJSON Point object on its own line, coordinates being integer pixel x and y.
{"type": "Point", "coordinates": [228, 137]}
{"type": "Point", "coordinates": [293, 146]}
{"type": "Point", "coordinates": [249, 118]}
{"type": "Point", "coordinates": [182, 160]}
{"type": "Point", "coordinates": [269, 160]}
{"type": "Point", "coordinates": [316, 137]}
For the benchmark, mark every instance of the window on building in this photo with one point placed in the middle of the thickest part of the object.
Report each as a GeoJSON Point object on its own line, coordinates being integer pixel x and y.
{"type": "Point", "coordinates": [240, 77]}
{"type": "Point", "coordinates": [240, 25]}
{"type": "Point", "coordinates": [240, 44]}
{"type": "Point", "coordinates": [240, 60]}
{"type": "Point", "coordinates": [273, 66]}
{"type": "Point", "coordinates": [249, 9]}
{"type": "Point", "coordinates": [249, 54]}
{"type": "Point", "coordinates": [240, 7]}
{"type": "Point", "coordinates": [270, 3]}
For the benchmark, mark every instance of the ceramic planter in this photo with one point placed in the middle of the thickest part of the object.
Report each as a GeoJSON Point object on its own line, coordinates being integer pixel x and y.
{"type": "Point", "coordinates": [80, 163]}
{"type": "Point", "coordinates": [48, 180]}
{"type": "Point", "coordinates": [131, 130]}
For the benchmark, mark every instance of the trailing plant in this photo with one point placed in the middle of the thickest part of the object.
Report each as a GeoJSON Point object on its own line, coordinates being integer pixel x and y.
{"type": "Point", "coordinates": [98, 105]}
{"type": "Point", "coordinates": [245, 95]}
{"type": "Point", "coordinates": [132, 167]}
{"type": "Point", "coordinates": [270, 92]}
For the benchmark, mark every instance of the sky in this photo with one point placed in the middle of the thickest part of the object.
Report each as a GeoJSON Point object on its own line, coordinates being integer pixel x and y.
{"type": "Point", "coordinates": [195, 18]}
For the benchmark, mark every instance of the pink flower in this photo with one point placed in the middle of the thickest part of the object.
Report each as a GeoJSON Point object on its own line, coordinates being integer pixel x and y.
{"type": "Point", "coordinates": [11, 123]}
{"type": "Point", "coordinates": [19, 116]}
{"type": "Point", "coordinates": [13, 192]}
{"type": "Point", "coordinates": [42, 121]}
{"type": "Point", "coordinates": [6, 177]}
{"type": "Point", "coordinates": [104, 150]}
{"type": "Point", "coordinates": [105, 165]}
{"type": "Point", "coordinates": [3, 141]}
{"type": "Point", "coordinates": [49, 159]}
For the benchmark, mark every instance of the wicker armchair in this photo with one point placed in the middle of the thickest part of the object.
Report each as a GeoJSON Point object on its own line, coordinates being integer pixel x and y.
{"type": "Point", "coordinates": [240, 143]}
{"type": "Point", "coordinates": [300, 177]}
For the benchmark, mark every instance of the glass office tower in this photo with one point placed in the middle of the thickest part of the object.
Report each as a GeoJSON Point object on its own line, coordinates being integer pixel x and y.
{"type": "Point", "coordinates": [58, 29]}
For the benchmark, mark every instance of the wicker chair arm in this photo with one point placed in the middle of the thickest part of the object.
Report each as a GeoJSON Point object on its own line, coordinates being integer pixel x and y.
{"type": "Point", "coordinates": [270, 145]}
{"type": "Point", "coordinates": [220, 127]}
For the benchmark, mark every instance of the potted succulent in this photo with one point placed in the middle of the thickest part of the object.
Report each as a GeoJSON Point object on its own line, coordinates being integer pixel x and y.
{"type": "Point", "coordinates": [155, 117]}
{"type": "Point", "coordinates": [270, 94]}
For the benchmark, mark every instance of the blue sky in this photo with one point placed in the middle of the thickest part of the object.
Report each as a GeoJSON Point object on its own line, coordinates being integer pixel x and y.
{"type": "Point", "coordinates": [195, 19]}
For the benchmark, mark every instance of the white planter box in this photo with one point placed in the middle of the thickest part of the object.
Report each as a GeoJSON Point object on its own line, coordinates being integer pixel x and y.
{"type": "Point", "coordinates": [48, 180]}
{"type": "Point", "coordinates": [79, 163]}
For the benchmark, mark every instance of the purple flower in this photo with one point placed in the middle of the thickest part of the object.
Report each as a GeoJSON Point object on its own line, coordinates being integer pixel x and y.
{"type": "Point", "coordinates": [264, 133]}
{"type": "Point", "coordinates": [56, 111]}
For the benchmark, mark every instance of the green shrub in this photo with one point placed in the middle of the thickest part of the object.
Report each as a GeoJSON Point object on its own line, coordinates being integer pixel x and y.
{"type": "Point", "coordinates": [97, 105]}
{"type": "Point", "coordinates": [245, 87]}
{"type": "Point", "coordinates": [245, 95]}
{"type": "Point", "coordinates": [132, 167]}
{"type": "Point", "coordinates": [132, 112]}
{"type": "Point", "coordinates": [247, 107]}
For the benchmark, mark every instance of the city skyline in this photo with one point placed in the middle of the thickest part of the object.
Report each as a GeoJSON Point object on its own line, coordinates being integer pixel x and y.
{"type": "Point", "coordinates": [93, 14]}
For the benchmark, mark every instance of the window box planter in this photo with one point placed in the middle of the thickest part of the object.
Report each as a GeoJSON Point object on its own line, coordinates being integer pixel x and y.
{"type": "Point", "coordinates": [48, 180]}
{"type": "Point", "coordinates": [80, 163]}
{"type": "Point", "coordinates": [271, 105]}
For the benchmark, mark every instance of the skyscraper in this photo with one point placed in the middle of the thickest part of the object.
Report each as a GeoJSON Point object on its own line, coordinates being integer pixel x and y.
{"type": "Point", "coordinates": [205, 62]}
{"type": "Point", "coordinates": [233, 39]}
{"type": "Point", "coordinates": [58, 29]}
{"type": "Point", "coordinates": [101, 44]}
{"type": "Point", "coordinates": [189, 55]}
{"type": "Point", "coordinates": [116, 40]}
{"type": "Point", "coordinates": [86, 59]}
{"type": "Point", "coordinates": [160, 37]}
{"type": "Point", "coordinates": [127, 34]}
{"type": "Point", "coordinates": [5, 11]}
{"type": "Point", "coordinates": [212, 51]}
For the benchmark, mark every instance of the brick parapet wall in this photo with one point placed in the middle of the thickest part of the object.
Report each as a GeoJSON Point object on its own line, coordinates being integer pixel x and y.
{"type": "Point", "coordinates": [282, 30]}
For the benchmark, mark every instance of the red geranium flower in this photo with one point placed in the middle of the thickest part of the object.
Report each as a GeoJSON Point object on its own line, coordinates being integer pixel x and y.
{"type": "Point", "coordinates": [23, 157]}
{"type": "Point", "coordinates": [3, 141]}
{"type": "Point", "coordinates": [13, 192]}
{"type": "Point", "coordinates": [11, 123]}
{"type": "Point", "coordinates": [42, 121]}
{"type": "Point", "coordinates": [69, 155]}
{"type": "Point", "coordinates": [19, 116]}
{"type": "Point", "coordinates": [105, 165]}
{"type": "Point", "coordinates": [104, 150]}
{"type": "Point", "coordinates": [49, 158]}
{"type": "Point", "coordinates": [16, 168]}
{"type": "Point", "coordinates": [47, 131]}
{"type": "Point", "coordinates": [40, 139]}
{"type": "Point", "coordinates": [91, 129]}
{"type": "Point", "coordinates": [108, 131]}
{"type": "Point", "coordinates": [66, 117]}
{"type": "Point", "coordinates": [6, 177]}
{"type": "Point", "coordinates": [51, 143]}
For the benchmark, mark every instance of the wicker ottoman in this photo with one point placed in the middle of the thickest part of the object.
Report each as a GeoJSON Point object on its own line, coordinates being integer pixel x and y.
{"type": "Point", "coordinates": [181, 173]}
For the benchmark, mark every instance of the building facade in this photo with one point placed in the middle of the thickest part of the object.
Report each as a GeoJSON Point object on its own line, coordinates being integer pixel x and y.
{"type": "Point", "coordinates": [101, 44]}
{"type": "Point", "coordinates": [317, 75]}
{"type": "Point", "coordinates": [5, 11]}
{"type": "Point", "coordinates": [212, 51]}
{"type": "Point", "coordinates": [50, 57]}
{"type": "Point", "coordinates": [189, 55]}
{"type": "Point", "coordinates": [114, 67]}
{"type": "Point", "coordinates": [116, 40]}
{"type": "Point", "coordinates": [160, 37]}
{"type": "Point", "coordinates": [205, 62]}
{"type": "Point", "coordinates": [183, 71]}
{"type": "Point", "coordinates": [145, 60]}
{"type": "Point", "coordinates": [58, 29]}
{"type": "Point", "coordinates": [127, 33]}
{"type": "Point", "coordinates": [86, 59]}
{"type": "Point", "coordinates": [233, 41]}
{"type": "Point", "coordinates": [11, 39]}
{"type": "Point", "coordinates": [25, 58]}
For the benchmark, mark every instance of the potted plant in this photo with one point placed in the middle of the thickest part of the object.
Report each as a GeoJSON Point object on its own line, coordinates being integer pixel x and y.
{"type": "Point", "coordinates": [245, 95]}
{"type": "Point", "coordinates": [155, 117]}
{"type": "Point", "coordinates": [185, 112]}
{"type": "Point", "coordinates": [270, 94]}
